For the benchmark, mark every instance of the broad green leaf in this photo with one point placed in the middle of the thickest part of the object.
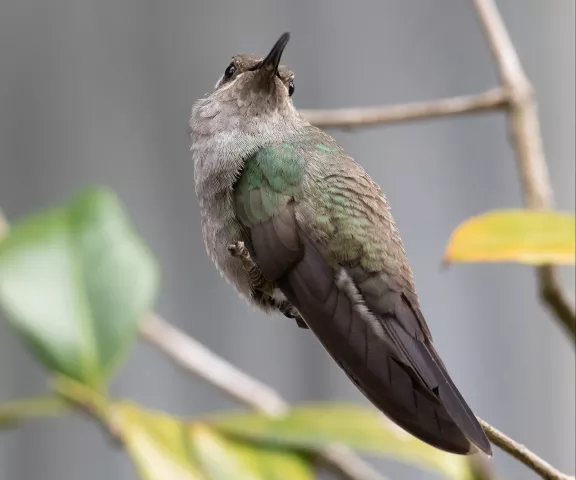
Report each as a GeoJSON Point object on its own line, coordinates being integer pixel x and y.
{"type": "Point", "coordinates": [315, 426]}
{"type": "Point", "coordinates": [523, 236]}
{"type": "Point", "coordinates": [75, 282]}
{"type": "Point", "coordinates": [156, 442]}
{"type": "Point", "coordinates": [223, 458]}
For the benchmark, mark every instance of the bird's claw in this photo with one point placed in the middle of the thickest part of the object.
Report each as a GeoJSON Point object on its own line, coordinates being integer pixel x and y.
{"type": "Point", "coordinates": [238, 249]}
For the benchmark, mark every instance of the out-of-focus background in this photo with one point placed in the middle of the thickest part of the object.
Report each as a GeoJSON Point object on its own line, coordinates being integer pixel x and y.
{"type": "Point", "coordinates": [99, 91]}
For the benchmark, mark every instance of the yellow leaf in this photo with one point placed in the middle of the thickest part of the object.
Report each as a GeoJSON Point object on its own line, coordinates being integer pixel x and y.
{"type": "Point", "coordinates": [218, 457]}
{"type": "Point", "coordinates": [163, 447]}
{"type": "Point", "coordinates": [156, 443]}
{"type": "Point", "coordinates": [522, 236]}
{"type": "Point", "coordinates": [277, 464]}
{"type": "Point", "coordinates": [223, 458]}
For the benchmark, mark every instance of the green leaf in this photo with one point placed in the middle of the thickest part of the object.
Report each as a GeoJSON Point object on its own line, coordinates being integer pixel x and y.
{"type": "Point", "coordinates": [75, 282]}
{"type": "Point", "coordinates": [314, 427]}
{"type": "Point", "coordinates": [224, 459]}
{"type": "Point", "coordinates": [156, 442]}
{"type": "Point", "coordinates": [522, 236]}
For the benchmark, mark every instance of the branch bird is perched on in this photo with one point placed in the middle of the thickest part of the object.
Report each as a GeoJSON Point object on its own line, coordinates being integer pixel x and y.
{"type": "Point", "coordinates": [324, 246]}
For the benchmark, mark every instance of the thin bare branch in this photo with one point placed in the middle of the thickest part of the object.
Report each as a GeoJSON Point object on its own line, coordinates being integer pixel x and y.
{"type": "Point", "coordinates": [525, 133]}
{"type": "Point", "coordinates": [520, 97]}
{"type": "Point", "coordinates": [522, 454]}
{"type": "Point", "coordinates": [196, 358]}
{"type": "Point", "coordinates": [551, 293]}
{"type": "Point", "coordinates": [362, 117]}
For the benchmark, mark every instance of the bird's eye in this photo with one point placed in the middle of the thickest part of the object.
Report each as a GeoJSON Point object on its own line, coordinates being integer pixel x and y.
{"type": "Point", "coordinates": [291, 89]}
{"type": "Point", "coordinates": [229, 71]}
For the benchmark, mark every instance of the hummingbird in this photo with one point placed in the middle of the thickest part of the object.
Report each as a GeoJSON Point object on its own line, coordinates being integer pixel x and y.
{"type": "Point", "coordinates": [298, 227]}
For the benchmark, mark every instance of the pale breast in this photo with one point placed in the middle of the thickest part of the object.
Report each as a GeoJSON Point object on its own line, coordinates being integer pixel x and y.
{"type": "Point", "coordinates": [220, 231]}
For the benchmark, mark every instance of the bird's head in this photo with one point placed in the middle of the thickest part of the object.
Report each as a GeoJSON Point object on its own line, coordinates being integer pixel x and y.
{"type": "Point", "coordinates": [254, 92]}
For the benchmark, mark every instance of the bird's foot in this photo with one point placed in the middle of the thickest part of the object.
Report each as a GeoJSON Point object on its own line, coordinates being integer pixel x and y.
{"type": "Point", "coordinates": [238, 249]}
{"type": "Point", "coordinates": [263, 289]}
{"type": "Point", "coordinates": [290, 312]}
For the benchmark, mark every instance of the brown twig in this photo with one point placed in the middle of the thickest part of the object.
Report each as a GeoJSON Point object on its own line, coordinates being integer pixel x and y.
{"type": "Point", "coordinates": [362, 117]}
{"type": "Point", "coordinates": [195, 357]}
{"type": "Point", "coordinates": [525, 133]}
{"type": "Point", "coordinates": [551, 293]}
{"type": "Point", "coordinates": [522, 454]}
{"type": "Point", "coordinates": [190, 354]}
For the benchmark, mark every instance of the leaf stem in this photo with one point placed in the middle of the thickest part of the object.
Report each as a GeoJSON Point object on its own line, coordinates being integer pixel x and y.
{"type": "Point", "coordinates": [79, 395]}
{"type": "Point", "coordinates": [28, 408]}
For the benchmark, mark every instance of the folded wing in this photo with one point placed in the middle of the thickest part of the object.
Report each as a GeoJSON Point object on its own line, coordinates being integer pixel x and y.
{"type": "Point", "coordinates": [370, 325]}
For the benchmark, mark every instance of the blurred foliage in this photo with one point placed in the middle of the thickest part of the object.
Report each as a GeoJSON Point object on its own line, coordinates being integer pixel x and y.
{"type": "Point", "coordinates": [163, 447]}
{"type": "Point", "coordinates": [522, 236]}
{"type": "Point", "coordinates": [156, 444]}
{"type": "Point", "coordinates": [315, 426]}
{"type": "Point", "coordinates": [75, 281]}
{"type": "Point", "coordinates": [223, 458]}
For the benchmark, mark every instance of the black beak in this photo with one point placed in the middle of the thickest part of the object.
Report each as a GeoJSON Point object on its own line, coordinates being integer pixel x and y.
{"type": "Point", "coordinates": [272, 60]}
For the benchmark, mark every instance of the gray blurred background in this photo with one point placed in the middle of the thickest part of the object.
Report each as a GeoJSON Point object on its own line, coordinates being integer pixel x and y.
{"type": "Point", "coordinates": [99, 92]}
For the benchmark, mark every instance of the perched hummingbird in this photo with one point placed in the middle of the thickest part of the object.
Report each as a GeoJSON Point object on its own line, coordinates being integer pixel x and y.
{"type": "Point", "coordinates": [297, 226]}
